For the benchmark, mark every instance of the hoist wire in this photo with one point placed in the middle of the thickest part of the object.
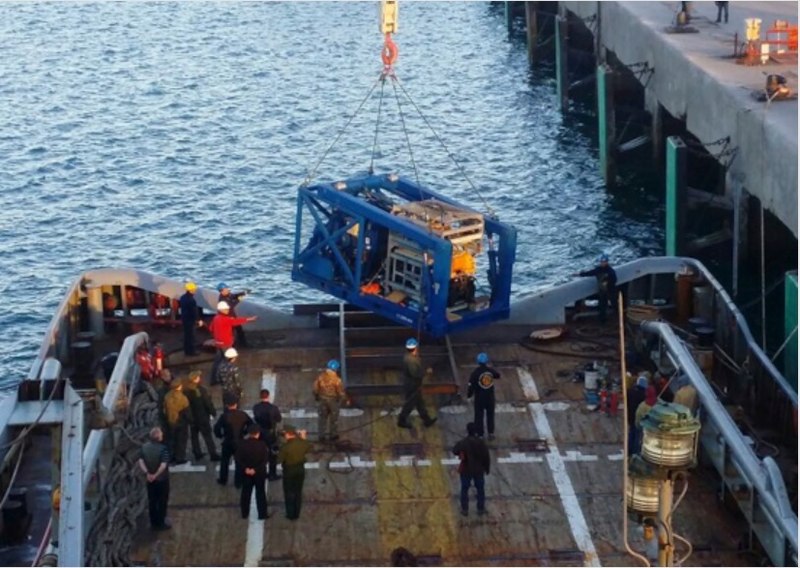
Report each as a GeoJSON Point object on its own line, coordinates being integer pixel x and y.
{"type": "Point", "coordinates": [447, 150]}
{"type": "Point", "coordinates": [405, 131]}
{"type": "Point", "coordinates": [377, 127]}
{"type": "Point", "coordinates": [313, 171]}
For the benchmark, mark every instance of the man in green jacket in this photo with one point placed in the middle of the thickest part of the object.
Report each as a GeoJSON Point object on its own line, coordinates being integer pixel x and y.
{"type": "Point", "coordinates": [413, 375]}
{"type": "Point", "coordinates": [292, 457]}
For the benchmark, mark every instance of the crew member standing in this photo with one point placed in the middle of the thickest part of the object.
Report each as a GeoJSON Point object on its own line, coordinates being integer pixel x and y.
{"type": "Point", "coordinates": [329, 394]}
{"type": "Point", "coordinates": [292, 457]}
{"type": "Point", "coordinates": [251, 458]}
{"type": "Point", "coordinates": [229, 428]}
{"type": "Point", "coordinates": [268, 416]}
{"type": "Point", "coordinates": [176, 411]}
{"type": "Point", "coordinates": [475, 464]}
{"type": "Point", "coordinates": [154, 463]}
{"type": "Point", "coordinates": [606, 285]}
{"type": "Point", "coordinates": [229, 374]}
{"type": "Point", "coordinates": [202, 410]}
{"type": "Point", "coordinates": [221, 328]}
{"type": "Point", "coordinates": [233, 299]}
{"type": "Point", "coordinates": [481, 386]}
{"type": "Point", "coordinates": [635, 396]}
{"type": "Point", "coordinates": [188, 306]}
{"type": "Point", "coordinates": [413, 375]}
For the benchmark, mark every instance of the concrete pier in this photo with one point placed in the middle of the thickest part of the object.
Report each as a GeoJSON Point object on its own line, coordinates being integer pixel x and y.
{"type": "Point", "coordinates": [697, 80]}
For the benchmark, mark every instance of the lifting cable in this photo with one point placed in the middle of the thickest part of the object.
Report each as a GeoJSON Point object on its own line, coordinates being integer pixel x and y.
{"type": "Point", "coordinates": [389, 54]}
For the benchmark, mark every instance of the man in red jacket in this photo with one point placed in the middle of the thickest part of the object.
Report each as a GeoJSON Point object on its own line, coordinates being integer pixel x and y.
{"type": "Point", "coordinates": [221, 328]}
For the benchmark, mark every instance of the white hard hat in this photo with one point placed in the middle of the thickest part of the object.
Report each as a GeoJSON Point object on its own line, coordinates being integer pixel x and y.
{"type": "Point", "coordinates": [223, 306]}
{"type": "Point", "coordinates": [231, 353]}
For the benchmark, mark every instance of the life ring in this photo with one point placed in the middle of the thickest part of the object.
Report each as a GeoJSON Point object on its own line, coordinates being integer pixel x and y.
{"type": "Point", "coordinates": [389, 53]}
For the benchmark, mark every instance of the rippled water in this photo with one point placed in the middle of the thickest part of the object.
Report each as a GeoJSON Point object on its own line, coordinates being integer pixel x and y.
{"type": "Point", "coordinates": [172, 137]}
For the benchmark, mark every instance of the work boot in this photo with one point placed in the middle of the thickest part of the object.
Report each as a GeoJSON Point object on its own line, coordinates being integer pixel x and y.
{"type": "Point", "coordinates": [215, 458]}
{"type": "Point", "coordinates": [431, 422]}
{"type": "Point", "coordinates": [464, 512]}
{"type": "Point", "coordinates": [404, 425]}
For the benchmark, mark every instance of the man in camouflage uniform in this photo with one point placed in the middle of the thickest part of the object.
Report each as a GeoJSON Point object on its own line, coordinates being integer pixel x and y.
{"type": "Point", "coordinates": [176, 411]}
{"type": "Point", "coordinates": [329, 394]}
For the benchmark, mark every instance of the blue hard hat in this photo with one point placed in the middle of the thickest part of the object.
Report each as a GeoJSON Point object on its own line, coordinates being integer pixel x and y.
{"type": "Point", "coordinates": [483, 358]}
{"type": "Point", "coordinates": [603, 258]}
{"type": "Point", "coordinates": [221, 286]}
{"type": "Point", "coordinates": [333, 365]}
{"type": "Point", "coordinates": [411, 343]}
{"type": "Point", "coordinates": [641, 382]}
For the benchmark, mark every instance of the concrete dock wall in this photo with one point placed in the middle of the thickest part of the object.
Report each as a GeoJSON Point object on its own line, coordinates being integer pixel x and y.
{"type": "Point", "coordinates": [696, 80]}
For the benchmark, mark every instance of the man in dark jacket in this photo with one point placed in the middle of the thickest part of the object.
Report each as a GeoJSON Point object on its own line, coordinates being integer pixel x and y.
{"type": "Point", "coordinates": [268, 416]}
{"type": "Point", "coordinates": [475, 463]}
{"type": "Point", "coordinates": [154, 463]}
{"type": "Point", "coordinates": [481, 386]}
{"type": "Point", "coordinates": [230, 426]}
{"type": "Point", "coordinates": [202, 410]}
{"type": "Point", "coordinates": [188, 307]}
{"type": "Point", "coordinates": [635, 396]}
{"type": "Point", "coordinates": [413, 375]}
{"type": "Point", "coordinates": [251, 457]}
{"type": "Point", "coordinates": [606, 285]}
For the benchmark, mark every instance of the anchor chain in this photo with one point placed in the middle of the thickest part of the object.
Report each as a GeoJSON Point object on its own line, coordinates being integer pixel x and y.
{"type": "Point", "coordinates": [123, 498]}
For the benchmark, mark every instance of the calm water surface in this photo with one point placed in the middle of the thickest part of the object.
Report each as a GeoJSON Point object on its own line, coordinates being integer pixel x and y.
{"type": "Point", "coordinates": [172, 138]}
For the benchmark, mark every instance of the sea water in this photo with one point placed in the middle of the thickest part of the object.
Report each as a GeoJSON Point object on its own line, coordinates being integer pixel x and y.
{"type": "Point", "coordinates": [172, 137]}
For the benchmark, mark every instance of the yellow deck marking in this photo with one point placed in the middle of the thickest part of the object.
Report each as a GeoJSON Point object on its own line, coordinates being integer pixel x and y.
{"type": "Point", "coordinates": [427, 526]}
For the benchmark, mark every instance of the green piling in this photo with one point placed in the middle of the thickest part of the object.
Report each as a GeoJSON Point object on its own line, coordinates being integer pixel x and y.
{"type": "Point", "coordinates": [509, 17]}
{"type": "Point", "coordinates": [790, 328]}
{"type": "Point", "coordinates": [532, 25]}
{"type": "Point", "coordinates": [562, 75]}
{"type": "Point", "coordinates": [676, 195]}
{"type": "Point", "coordinates": [606, 124]}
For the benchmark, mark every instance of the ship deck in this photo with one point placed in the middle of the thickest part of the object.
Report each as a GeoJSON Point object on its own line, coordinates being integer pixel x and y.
{"type": "Point", "coordinates": [383, 487]}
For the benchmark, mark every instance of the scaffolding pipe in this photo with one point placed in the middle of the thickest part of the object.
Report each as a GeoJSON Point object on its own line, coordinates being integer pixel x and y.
{"type": "Point", "coordinates": [756, 471]}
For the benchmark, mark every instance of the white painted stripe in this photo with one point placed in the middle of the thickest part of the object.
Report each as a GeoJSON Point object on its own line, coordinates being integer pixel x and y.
{"type": "Point", "coordinates": [500, 408]}
{"type": "Point", "coordinates": [450, 461]}
{"type": "Point", "coordinates": [572, 455]}
{"type": "Point", "coordinates": [186, 468]}
{"type": "Point", "coordinates": [572, 507]}
{"type": "Point", "coordinates": [254, 549]}
{"type": "Point", "coordinates": [616, 457]}
{"type": "Point", "coordinates": [520, 457]}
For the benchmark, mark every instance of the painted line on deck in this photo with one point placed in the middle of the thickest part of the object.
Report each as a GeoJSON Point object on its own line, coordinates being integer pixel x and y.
{"type": "Point", "coordinates": [572, 508]}
{"type": "Point", "coordinates": [254, 549]}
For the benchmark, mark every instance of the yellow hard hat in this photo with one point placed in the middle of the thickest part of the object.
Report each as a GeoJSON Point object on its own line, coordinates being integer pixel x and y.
{"type": "Point", "coordinates": [190, 287]}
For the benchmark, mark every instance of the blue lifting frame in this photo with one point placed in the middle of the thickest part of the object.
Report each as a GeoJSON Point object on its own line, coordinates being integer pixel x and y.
{"type": "Point", "coordinates": [351, 219]}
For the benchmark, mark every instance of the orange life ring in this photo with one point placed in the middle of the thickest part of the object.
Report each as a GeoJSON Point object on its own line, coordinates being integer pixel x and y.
{"type": "Point", "coordinates": [389, 53]}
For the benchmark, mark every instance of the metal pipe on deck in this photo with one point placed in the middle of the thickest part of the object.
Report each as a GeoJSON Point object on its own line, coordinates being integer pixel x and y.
{"type": "Point", "coordinates": [756, 471]}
